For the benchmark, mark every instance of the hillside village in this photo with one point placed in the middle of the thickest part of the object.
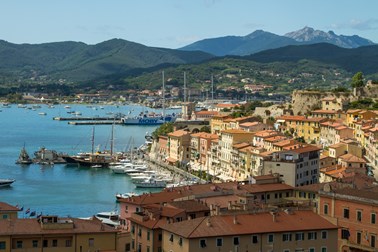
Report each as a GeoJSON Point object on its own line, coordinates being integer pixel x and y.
{"type": "Point", "coordinates": [287, 178]}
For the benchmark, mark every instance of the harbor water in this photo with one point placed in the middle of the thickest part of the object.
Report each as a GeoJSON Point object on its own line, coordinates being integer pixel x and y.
{"type": "Point", "coordinates": [61, 189]}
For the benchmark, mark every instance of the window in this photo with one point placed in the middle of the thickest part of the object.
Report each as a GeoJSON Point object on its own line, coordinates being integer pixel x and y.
{"type": "Point", "coordinates": [139, 247]}
{"type": "Point", "coordinates": [286, 237]}
{"type": "Point", "coordinates": [324, 234]}
{"type": "Point", "coordinates": [324, 249]}
{"type": "Point", "coordinates": [127, 247]}
{"type": "Point", "coordinates": [346, 213]}
{"type": "Point", "coordinates": [236, 240]}
{"type": "Point", "coordinates": [270, 238]}
{"type": "Point", "coordinates": [133, 229]}
{"type": "Point", "coordinates": [132, 244]}
{"type": "Point", "coordinates": [311, 235]}
{"type": "Point", "coordinates": [311, 250]}
{"type": "Point", "coordinates": [202, 243]}
{"type": "Point", "coordinates": [372, 241]}
{"type": "Point", "coordinates": [148, 249]}
{"type": "Point", "coordinates": [359, 215]}
{"type": "Point", "coordinates": [325, 209]}
{"type": "Point", "coordinates": [286, 250]}
{"type": "Point", "coordinates": [68, 243]}
{"type": "Point", "coordinates": [55, 243]}
{"type": "Point", "coordinates": [5, 216]}
{"type": "Point", "coordinates": [345, 234]}
{"type": "Point", "coordinates": [91, 242]}
{"type": "Point", "coordinates": [148, 235]}
{"type": "Point", "coordinates": [160, 237]}
{"type": "Point", "coordinates": [45, 243]}
{"type": "Point", "coordinates": [140, 232]}
{"type": "Point", "coordinates": [3, 245]}
{"type": "Point", "coordinates": [219, 242]}
{"type": "Point", "coordinates": [171, 238]}
{"type": "Point", "coordinates": [359, 236]}
{"type": "Point", "coordinates": [180, 241]}
{"type": "Point", "coordinates": [35, 243]}
{"type": "Point", "coordinates": [255, 239]}
{"type": "Point", "coordinates": [299, 236]}
{"type": "Point", "coordinates": [372, 218]}
{"type": "Point", "coordinates": [18, 244]}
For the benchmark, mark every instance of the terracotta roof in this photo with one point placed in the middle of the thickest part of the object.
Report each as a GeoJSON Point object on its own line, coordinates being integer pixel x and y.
{"type": "Point", "coordinates": [205, 112]}
{"type": "Point", "coordinates": [323, 111]}
{"type": "Point", "coordinates": [274, 138]}
{"type": "Point", "coordinates": [266, 133]}
{"type": "Point", "coordinates": [337, 145]}
{"type": "Point", "coordinates": [305, 148]}
{"type": "Point", "coordinates": [226, 105]}
{"type": "Point", "coordinates": [32, 226]}
{"type": "Point", "coordinates": [329, 99]}
{"type": "Point", "coordinates": [178, 133]}
{"type": "Point", "coordinates": [301, 118]}
{"type": "Point", "coordinates": [240, 145]}
{"type": "Point", "coordinates": [249, 124]}
{"type": "Point", "coordinates": [256, 188]}
{"type": "Point", "coordinates": [236, 131]}
{"type": "Point", "coordinates": [351, 111]}
{"type": "Point", "coordinates": [227, 225]}
{"type": "Point", "coordinates": [6, 207]}
{"type": "Point", "coordinates": [351, 158]}
{"type": "Point", "coordinates": [204, 135]}
{"type": "Point", "coordinates": [286, 142]}
{"type": "Point", "coordinates": [189, 206]}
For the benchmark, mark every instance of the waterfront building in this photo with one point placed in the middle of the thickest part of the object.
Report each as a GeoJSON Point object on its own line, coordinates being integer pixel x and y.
{"type": "Point", "coordinates": [52, 233]}
{"type": "Point", "coordinates": [179, 147]}
{"type": "Point", "coordinates": [253, 126]}
{"type": "Point", "coordinates": [298, 166]}
{"type": "Point", "coordinates": [268, 231]}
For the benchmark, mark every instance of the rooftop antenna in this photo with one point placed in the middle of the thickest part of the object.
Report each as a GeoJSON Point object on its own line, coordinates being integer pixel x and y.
{"type": "Point", "coordinates": [185, 94]}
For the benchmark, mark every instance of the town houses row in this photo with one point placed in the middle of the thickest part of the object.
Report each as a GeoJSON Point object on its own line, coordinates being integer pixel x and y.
{"type": "Point", "coordinates": [303, 149]}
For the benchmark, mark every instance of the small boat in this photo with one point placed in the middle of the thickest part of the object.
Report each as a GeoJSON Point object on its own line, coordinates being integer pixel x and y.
{"type": "Point", "coordinates": [24, 157]}
{"type": "Point", "coordinates": [151, 183]}
{"type": "Point", "coordinates": [109, 218]}
{"type": "Point", "coordinates": [125, 195]}
{"type": "Point", "coordinates": [42, 113]}
{"type": "Point", "coordinates": [6, 182]}
{"type": "Point", "coordinates": [67, 107]}
{"type": "Point", "coordinates": [96, 166]}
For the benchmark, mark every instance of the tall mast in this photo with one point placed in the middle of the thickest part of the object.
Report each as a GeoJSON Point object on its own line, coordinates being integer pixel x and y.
{"type": "Point", "coordinates": [185, 87]}
{"type": "Point", "coordinates": [212, 89]}
{"type": "Point", "coordinates": [93, 133]}
{"type": "Point", "coordinates": [112, 140]}
{"type": "Point", "coordinates": [163, 94]}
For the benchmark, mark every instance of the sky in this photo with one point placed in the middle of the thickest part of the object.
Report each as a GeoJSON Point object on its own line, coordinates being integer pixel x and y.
{"type": "Point", "coordinates": [176, 23]}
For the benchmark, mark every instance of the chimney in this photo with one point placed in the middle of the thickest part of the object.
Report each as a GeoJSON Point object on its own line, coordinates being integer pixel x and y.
{"type": "Point", "coordinates": [235, 220]}
{"type": "Point", "coordinates": [273, 213]}
{"type": "Point", "coordinates": [208, 223]}
{"type": "Point", "coordinates": [217, 210]}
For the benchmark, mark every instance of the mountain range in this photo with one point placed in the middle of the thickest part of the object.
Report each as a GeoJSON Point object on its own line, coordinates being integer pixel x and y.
{"type": "Point", "coordinates": [116, 59]}
{"type": "Point", "coordinates": [261, 40]}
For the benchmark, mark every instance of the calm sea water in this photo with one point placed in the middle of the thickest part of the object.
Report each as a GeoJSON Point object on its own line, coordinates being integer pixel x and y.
{"type": "Point", "coordinates": [60, 189]}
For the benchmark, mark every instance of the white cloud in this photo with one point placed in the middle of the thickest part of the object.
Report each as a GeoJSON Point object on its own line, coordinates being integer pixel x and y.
{"type": "Point", "coordinates": [356, 24]}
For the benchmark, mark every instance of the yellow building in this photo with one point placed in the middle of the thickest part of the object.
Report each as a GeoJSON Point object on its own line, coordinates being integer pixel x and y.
{"type": "Point", "coordinates": [301, 126]}
{"type": "Point", "coordinates": [50, 233]}
{"type": "Point", "coordinates": [217, 123]}
{"type": "Point", "coordinates": [269, 231]}
{"type": "Point", "coordinates": [8, 211]}
{"type": "Point", "coordinates": [179, 147]}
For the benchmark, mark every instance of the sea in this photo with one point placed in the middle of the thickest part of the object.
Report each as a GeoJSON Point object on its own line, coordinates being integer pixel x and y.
{"type": "Point", "coordinates": [62, 189]}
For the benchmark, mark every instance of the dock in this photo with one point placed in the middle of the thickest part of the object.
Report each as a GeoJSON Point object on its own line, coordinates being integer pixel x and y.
{"type": "Point", "coordinates": [87, 118]}
{"type": "Point", "coordinates": [104, 122]}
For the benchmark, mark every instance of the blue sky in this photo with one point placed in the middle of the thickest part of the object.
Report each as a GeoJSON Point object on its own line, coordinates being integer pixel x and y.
{"type": "Point", "coordinates": [176, 23]}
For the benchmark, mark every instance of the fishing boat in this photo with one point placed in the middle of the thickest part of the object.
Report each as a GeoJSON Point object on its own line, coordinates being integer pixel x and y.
{"type": "Point", "coordinates": [6, 182]}
{"type": "Point", "coordinates": [151, 118]}
{"type": "Point", "coordinates": [24, 157]}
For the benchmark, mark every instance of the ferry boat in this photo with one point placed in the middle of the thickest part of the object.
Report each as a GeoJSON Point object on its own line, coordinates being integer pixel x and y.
{"type": "Point", "coordinates": [149, 119]}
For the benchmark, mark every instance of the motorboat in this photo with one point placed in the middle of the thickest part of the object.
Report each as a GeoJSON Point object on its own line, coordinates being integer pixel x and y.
{"type": "Point", "coordinates": [109, 218]}
{"type": "Point", "coordinates": [151, 183]}
{"type": "Point", "coordinates": [125, 195]}
{"type": "Point", "coordinates": [6, 182]}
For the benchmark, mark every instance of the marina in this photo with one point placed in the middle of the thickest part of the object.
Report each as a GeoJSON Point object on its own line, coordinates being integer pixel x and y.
{"type": "Point", "coordinates": [65, 190]}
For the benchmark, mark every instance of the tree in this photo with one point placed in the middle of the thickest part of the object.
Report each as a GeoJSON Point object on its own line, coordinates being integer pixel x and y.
{"type": "Point", "coordinates": [206, 129]}
{"type": "Point", "coordinates": [163, 130]}
{"type": "Point", "coordinates": [357, 80]}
